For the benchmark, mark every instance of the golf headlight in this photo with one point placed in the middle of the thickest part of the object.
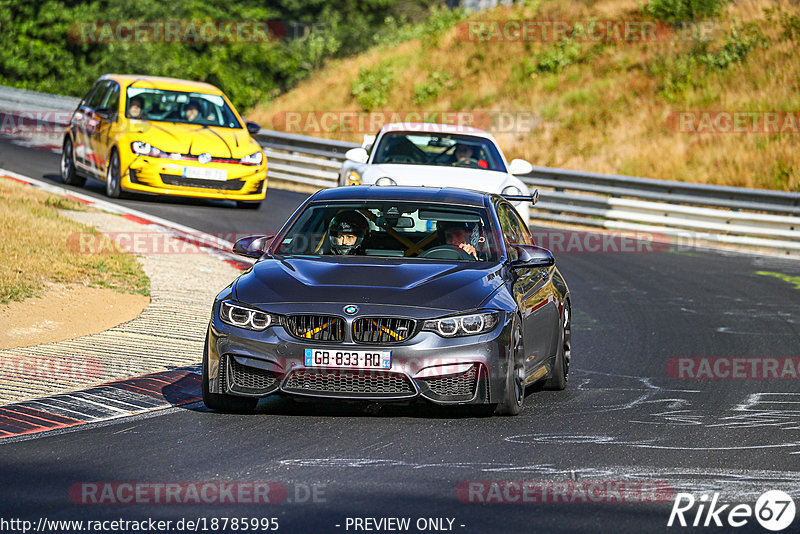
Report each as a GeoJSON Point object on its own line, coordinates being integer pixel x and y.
{"type": "Point", "coordinates": [146, 149]}
{"type": "Point", "coordinates": [385, 180]}
{"type": "Point", "coordinates": [462, 325]}
{"type": "Point", "coordinates": [253, 159]}
{"type": "Point", "coordinates": [248, 318]}
{"type": "Point", "coordinates": [352, 178]}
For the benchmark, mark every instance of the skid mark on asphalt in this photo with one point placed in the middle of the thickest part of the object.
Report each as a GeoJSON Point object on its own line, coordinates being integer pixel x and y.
{"type": "Point", "coordinates": [734, 483]}
{"type": "Point", "coordinates": [114, 400]}
{"type": "Point", "coordinates": [650, 404]}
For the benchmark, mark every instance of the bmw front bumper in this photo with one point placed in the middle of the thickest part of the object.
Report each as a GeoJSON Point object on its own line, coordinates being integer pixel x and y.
{"type": "Point", "coordinates": [460, 370]}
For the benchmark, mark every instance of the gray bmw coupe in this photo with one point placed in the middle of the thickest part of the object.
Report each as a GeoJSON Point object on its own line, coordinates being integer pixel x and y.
{"type": "Point", "coordinates": [391, 294]}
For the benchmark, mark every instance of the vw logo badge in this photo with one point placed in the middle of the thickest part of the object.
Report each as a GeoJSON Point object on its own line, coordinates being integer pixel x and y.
{"type": "Point", "coordinates": [204, 158]}
{"type": "Point", "coordinates": [351, 309]}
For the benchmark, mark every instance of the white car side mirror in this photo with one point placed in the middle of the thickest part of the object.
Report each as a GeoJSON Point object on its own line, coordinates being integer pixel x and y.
{"type": "Point", "coordinates": [358, 154]}
{"type": "Point", "coordinates": [368, 140]}
{"type": "Point", "coordinates": [520, 166]}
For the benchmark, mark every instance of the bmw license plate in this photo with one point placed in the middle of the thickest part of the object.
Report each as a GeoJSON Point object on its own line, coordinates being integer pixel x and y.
{"type": "Point", "coordinates": [205, 173]}
{"type": "Point", "coordinates": [349, 359]}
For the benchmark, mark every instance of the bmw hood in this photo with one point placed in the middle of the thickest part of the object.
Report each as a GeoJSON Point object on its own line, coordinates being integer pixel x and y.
{"type": "Point", "coordinates": [308, 284]}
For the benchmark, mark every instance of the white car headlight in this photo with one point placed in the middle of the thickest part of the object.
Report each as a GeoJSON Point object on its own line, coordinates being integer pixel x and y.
{"type": "Point", "coordinates": [253, 159]}
{"type": "Point", "coordinates": [243, 317]}
{"type": "Point", "coordinates": [146, 149]}
{"type": "Point", "coordinates": [385, 180]}
{"type": "Point", "coordinates": [462, 325]}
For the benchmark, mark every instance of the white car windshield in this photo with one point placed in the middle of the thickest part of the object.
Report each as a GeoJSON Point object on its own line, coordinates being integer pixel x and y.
{"type": "Point", "coordinates": [446, 150]}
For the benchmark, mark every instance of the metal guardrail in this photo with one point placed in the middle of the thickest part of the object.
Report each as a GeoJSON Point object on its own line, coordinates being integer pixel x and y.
{"type": "Point", "coordinates": [752, 218]}
{"type": "Point", "coordinates": [698, 212]}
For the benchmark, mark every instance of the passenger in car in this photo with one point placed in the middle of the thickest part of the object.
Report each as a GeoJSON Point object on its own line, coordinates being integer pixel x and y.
{"type": "Point", "coordinates": [455, 234]}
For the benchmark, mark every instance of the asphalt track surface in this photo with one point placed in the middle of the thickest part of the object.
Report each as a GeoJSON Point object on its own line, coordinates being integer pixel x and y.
{"type": "Point", "coordinates": [622, 418]}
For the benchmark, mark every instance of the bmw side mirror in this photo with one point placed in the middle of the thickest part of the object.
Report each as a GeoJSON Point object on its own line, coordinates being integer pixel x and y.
{"type": "Point", "coordinates": [358, 154]}
{"type": "Point", "coordinates": [253, 128]}
{"type": "Point", "coordinates": [520, 166]}
{"type": "Point", "coordinates": [530, 256]}
{"type": "Point", "coordinates": [253, 246]}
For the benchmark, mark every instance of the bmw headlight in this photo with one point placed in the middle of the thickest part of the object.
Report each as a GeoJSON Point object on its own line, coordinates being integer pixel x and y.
{"type": "Point", "coordinates": [385, 180]}
{"type": "Point", "coordinates": [253, 159]}
{"type": "Point", "coordinates": [244, 317]}
{"type": "Point", "coordinates": [146, 149]}
{"type": "Point", "coordinates": [462, 325]}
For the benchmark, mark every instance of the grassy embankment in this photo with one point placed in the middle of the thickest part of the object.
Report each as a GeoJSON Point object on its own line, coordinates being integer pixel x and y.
{"type": "Point", "coordinates": [599, 106]}
{"type": "Point", "coordinates": [34, 248]}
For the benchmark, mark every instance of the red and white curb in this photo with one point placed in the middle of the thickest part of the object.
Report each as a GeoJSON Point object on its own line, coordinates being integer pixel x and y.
{"type": "Point", "coordinates": [114, 400]}
{"type": "Point", "coordinates": [122, 398]}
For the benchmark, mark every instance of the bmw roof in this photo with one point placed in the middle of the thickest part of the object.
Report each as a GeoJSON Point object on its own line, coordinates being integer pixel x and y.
{"type": "Point", "coordinates": [445, 195]}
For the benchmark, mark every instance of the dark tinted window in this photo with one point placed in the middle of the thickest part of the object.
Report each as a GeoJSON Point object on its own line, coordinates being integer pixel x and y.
{"type": "Point", "coordinates": [514, 230]}
{"type": "Point", "coordinates": [111, 101]}
{"type": "Point", "coordinates": [98, 95]}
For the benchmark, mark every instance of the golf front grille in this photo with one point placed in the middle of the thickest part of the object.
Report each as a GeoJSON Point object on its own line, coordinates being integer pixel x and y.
{"type": "Point", "coordinates": [382, 329]}
{"type": "Point", "coordinates": [460, 385]}
{"type": "Point", "coordinates": [349, 382]}
{"type": "Point", "coordinates": [245, 379]}
{"type": "Point", "coordinates": [199, 183]}
{"type": "Point", "coordinates": [316, 327]}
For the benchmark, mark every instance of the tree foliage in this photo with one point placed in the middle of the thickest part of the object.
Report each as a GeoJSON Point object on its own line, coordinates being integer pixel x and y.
{"type": "Point", "coordinates": [42, 47]}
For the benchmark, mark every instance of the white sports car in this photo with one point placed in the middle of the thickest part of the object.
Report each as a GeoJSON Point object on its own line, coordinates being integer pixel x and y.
{"type": "Point", "coordinates": [436, 155]}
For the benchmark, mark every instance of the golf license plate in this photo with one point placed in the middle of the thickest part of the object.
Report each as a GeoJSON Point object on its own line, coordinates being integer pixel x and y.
{"type": "Point", "coordinates": [205, 173]}
{"type": "Point", "coordinates": [348, 359]}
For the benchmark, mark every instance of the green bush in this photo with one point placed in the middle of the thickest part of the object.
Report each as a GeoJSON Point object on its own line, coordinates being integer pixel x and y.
{"type": "Point", "coordinates": [437, 81]}
{"type": "Point", "coordinates": [371, 87]}
{"type": "Point", "coordinates": [557, 57]}
{"type": "Point", "coordinates": [41, 49]}
{"type": "Point", "coordinates": [741, 41]}
{"type": "Point", "coordinates": [683, 11]}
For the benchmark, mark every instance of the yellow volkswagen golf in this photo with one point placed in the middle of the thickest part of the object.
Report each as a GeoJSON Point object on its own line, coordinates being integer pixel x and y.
{"type": "Point", "coordinates": [165, 136]}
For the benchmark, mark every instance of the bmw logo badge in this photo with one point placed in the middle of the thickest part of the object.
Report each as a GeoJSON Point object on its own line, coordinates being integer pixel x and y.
{"type": "Point", "coordinates": [351, 309]}
{"type": "Point", "coordinates": [204, 158]}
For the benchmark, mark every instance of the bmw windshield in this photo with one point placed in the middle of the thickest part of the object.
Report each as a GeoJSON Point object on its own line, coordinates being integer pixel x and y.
{"type": "Point", "coordinates": [391, 229]}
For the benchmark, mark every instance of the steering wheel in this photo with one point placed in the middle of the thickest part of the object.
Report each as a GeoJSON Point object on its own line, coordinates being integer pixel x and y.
{"type": "Point", "coordinates": [400, 158]}
{"type": "Point", "coordinates": [447, 252]}
{"type": "Point", "coordinates": [467, 162]}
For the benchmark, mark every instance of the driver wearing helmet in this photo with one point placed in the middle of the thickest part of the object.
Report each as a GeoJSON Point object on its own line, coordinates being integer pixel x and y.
{"type": "Point", "coordinates": [458, 234]}
{"type": "Point", "coordinates": [346, 233]}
